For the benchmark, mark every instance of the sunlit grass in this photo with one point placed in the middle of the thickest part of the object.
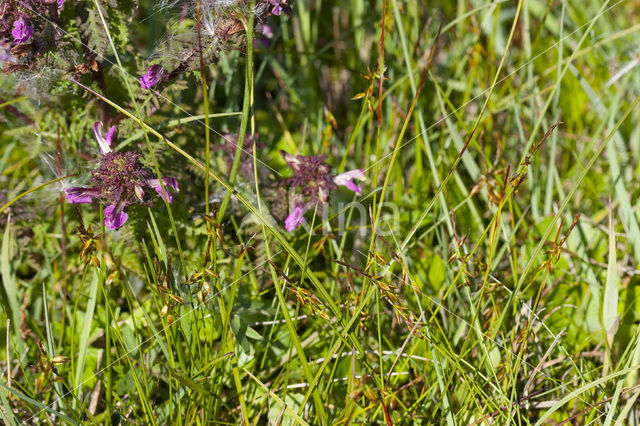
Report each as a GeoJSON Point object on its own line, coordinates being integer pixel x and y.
{"type": "Point", "coordinates": [486, 273]}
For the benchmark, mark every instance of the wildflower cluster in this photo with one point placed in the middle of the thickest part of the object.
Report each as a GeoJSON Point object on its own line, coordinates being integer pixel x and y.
{"type": "Point", "coordinates": [27, 31]}
{"type": "Point", "coordinates": [119, 181]}
{"type": "Point", "coordinates": [311, 175]}
{"type": "Point", "coordinates": [217, 25]}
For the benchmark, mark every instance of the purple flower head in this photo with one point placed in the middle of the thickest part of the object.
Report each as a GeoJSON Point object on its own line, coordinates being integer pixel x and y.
{"type": "Point", "coordinates": [119, 181]}
{"type": "Point", "coordinates": [22, 31]}
{"type": "Point", "coordinates": [295, 219]}
{"type": "Point", "coordinates": [311, 175]}
{"type": "Point", "coordinates": [155, 75]}
{"type": "Point", "coordinates": [60, 3]}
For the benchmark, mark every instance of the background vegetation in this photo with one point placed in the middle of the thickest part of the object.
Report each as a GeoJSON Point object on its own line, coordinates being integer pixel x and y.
{"type": "Point", "coordinates": [487, 273]}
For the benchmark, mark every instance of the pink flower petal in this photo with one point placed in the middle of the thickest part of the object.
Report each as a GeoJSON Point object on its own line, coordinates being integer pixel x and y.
{"type": "Point", "coordinates": [154, 75]}
{"type": "Point", "coordinates": [291, 160]}
{"type": "Point", "coordinates": [346, 179]}
{"type": "Point", "coordinates": [168, 182]}
{"type": "Point", "coordinates": [22, 31]}
{"type": "Point", "coordinates": [102, 140]}
{"type": "Point", "coordinates": [79, 194]}
{"type": "Point", "coordinates": [166, 196]}
{"type": "Point", "coordinates": [109, 136]}
{"type": "Point", "coordinates": [114, 219]}
{"type": "Point", "coordinates": [295, 219]}
{"type": "Point", "coordinates": [352, 186]}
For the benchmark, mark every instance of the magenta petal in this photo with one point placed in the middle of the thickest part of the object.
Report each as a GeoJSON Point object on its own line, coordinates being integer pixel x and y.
{"type": "Point", "coordinates": [109, 136]}
{"type": "Point", "coordinates": [113, 219]}
{"type": "Point", "coordinates": [352, 186]}
{"type": "Point", "coordinates": [277, 6]}
{"type": "Point", "coordinates": [22, 31]}
{"type": "Point", "coordinates": [103, 141]}
{"type": "Point", "coordinates": [79, 194]}
{"type": "Point", "coordinates": [295, 219]}
{"type": "Point", "coordinates": [154, 75]}
{"type": "Point", "coordinates": [347, 178]}
{"type": "Point", "coordinates": [60, 3]}
{"type": "Point", "coordinates": [168, 182]}
{"type": "Point", "coordinates": [267, 31]}
{"type": "Point", "coordinates": [166, 196]}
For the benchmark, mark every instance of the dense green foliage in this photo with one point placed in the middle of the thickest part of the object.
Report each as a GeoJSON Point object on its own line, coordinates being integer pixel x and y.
{"type": "Point", "coordinates": [487, 272]}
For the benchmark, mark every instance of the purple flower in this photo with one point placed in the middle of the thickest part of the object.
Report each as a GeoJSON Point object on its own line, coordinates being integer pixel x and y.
{"type": "Point", "coordinates": [295, 219]}
{"type": "Point", "coordinates": [167, 182]}
{"type": "Point", "coordinates": [114, 217]}
{"type": "Point", "coordinates": [22, 31]}
{"type": "Point", "coordinates": [155, 75]}
{"type": "Point", "coordinates": [267, 31]}
{"type": "Point", "coordinates": [104, 141]}
{"type": "Point", "coordinates": [346, 179]}
{"type": "Point", "coordinates": [81, 194]}
{"type": "Point", "coordinates": [277, 6]}
{"type": "Point", "coordinates": [60, 3]}
{"type": "Point", "coordinates": [312, 175]}
{"type": "Point", "coordinates": [119, 181]}
{"type": "Point", "coordinates": [267, 34]}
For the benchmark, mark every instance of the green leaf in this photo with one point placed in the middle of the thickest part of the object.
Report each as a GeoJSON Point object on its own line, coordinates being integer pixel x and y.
{"type": "Point", "coordinates": [86, 330]}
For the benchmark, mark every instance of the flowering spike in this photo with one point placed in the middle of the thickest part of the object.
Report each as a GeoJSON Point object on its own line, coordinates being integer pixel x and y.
{"type": "Point", "coordinates": [295, 219]}
{"type": "Point", "coordinates": [312, 175]}
{"type": "Point", "coordinates": [118, 182]}
{"type": "Point", "coordinates": [114, 217]}
{"type": "Point", "coordinates": [22, 31]}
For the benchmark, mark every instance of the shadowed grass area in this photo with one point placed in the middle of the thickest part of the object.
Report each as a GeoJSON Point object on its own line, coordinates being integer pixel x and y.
{"type": "Point", "coordinates": [380, 212]}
